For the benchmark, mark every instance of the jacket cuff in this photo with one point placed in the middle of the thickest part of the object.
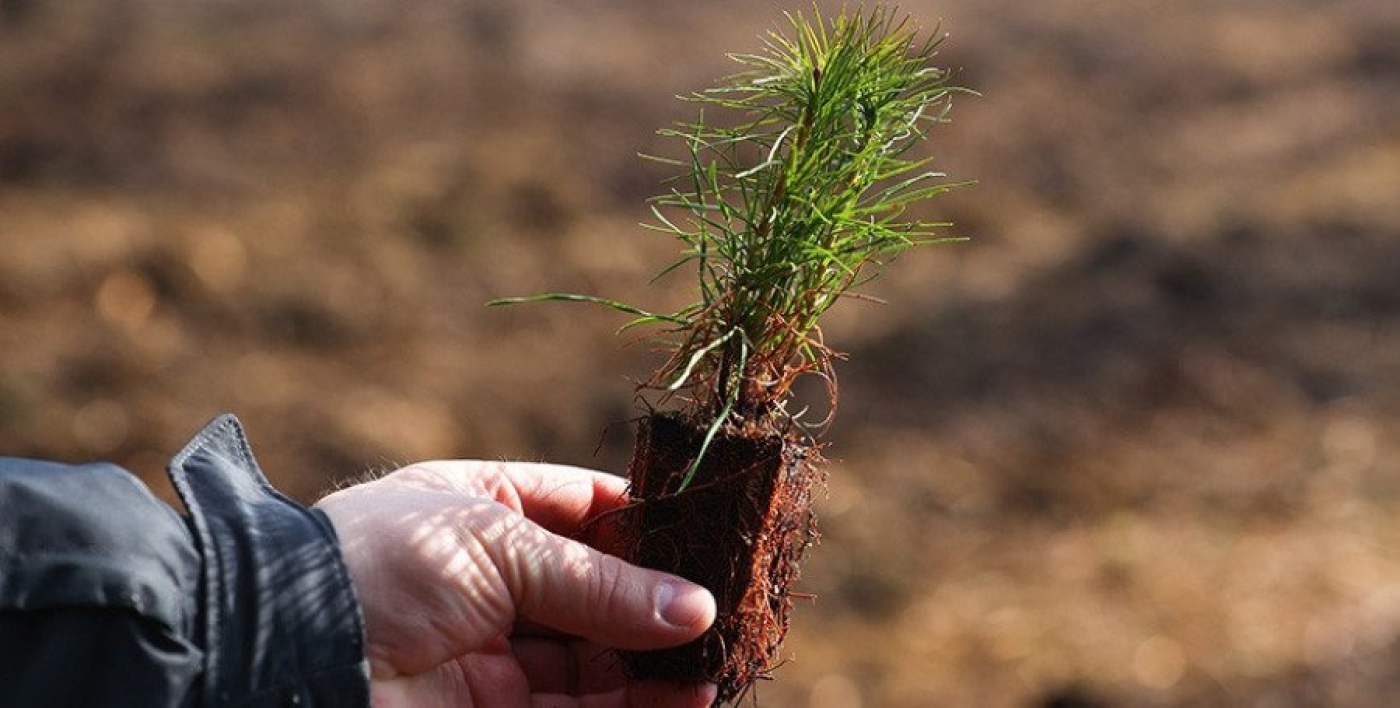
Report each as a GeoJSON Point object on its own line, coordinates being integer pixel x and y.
{"type": "Point", "coordinates": [279, 620]}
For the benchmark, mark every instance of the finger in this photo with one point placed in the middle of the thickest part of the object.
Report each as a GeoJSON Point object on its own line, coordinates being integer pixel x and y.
{"type": "Point", "coordinates": [562, 499]}
{"type": "Point", "coordinates": [559, 497]}
{"type": "Point", "coordinates": [487, 679]}
{"type": "Point", "coordinates": [579, 590]}
{"type": "Point", "coordinates": [549, 666]}
{"type": "Point", "coordinates": [648, 695]}
{"type": "Point", "coordinates": [554, 497]}
{"type": "Point", "coordinates": [670, 695]}
{"type": "Point", "coordinates": [568, 667]}
{"type": "Point", "coordinates": [534, 630]}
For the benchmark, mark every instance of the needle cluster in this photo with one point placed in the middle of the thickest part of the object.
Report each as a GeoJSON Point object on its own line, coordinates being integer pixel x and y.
{"type": "Point", "coordinates": [790, 204]}
{"type": "Point", "coordinates": [794, 188]}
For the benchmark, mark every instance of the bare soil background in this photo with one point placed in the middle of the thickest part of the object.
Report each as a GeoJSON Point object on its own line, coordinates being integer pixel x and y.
{"type": "Point", "coordinates": [1136, 443]}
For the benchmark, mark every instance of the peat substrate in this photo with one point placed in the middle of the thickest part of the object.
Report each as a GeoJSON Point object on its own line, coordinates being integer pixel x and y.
{"type": "Point", "coordinates": [739, 526]}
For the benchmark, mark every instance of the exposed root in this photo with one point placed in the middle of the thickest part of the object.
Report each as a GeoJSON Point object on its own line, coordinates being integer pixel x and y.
{"type": "Point", "coordinates": [740, 528]}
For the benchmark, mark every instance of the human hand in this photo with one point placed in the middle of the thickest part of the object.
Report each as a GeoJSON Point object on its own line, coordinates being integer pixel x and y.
{"type": "Point", "coordinates": [482, 586]}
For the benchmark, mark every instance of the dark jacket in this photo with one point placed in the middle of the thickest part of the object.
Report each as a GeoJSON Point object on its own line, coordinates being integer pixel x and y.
{"type": "Point", "coordinates": [110, 598]}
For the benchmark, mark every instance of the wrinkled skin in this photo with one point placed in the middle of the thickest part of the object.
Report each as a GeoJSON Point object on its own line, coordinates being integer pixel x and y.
{"type": "Point", "coordinates": [484, 584]}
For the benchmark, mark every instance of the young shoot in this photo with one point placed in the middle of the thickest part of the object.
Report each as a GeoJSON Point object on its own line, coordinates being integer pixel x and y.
{"type": "Point", "coordinates": [794, 189]}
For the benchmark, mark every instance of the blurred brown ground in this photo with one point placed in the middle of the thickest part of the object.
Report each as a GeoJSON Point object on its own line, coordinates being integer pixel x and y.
{"type": "Point", "coordinates": [1137, 443]}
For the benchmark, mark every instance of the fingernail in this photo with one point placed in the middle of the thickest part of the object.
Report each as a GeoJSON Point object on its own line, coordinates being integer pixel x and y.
{"type": "Point", "coordinates": [684, 605]}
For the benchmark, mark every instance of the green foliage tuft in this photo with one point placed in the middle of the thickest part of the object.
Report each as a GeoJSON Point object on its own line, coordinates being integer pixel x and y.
{"type": "Point", "coordinates": [791, 203]}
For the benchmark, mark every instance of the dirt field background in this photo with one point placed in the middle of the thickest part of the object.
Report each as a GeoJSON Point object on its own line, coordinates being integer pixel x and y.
{"type": "Point", "coordinates": [1137, 443]}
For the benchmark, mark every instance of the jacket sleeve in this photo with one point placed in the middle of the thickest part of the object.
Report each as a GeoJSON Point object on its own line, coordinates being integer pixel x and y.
{"type": "Point", "coordinates": [98, 582]}
{"type": "Point", "coordinates": [110, 598]}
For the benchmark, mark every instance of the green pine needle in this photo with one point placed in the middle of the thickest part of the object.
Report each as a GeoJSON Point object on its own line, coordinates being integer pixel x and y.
{"type": "Point", "coordinates": [795, 189]}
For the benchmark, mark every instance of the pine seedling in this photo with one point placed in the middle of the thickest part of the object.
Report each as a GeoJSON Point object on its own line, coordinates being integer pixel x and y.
{"type": "Point", "coordinates": [795, 186]}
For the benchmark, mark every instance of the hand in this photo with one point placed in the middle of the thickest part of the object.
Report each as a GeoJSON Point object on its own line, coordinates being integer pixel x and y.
{"type": "Point", "coordinates": [482, 586]}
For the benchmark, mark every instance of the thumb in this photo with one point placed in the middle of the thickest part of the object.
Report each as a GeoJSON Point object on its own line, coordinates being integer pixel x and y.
{"type": "Point", "coordinates": [579, 590]}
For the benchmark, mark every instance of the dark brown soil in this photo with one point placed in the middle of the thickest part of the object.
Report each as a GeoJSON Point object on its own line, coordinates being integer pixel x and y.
{"type": "Point", "coordinates": [740, 527]}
